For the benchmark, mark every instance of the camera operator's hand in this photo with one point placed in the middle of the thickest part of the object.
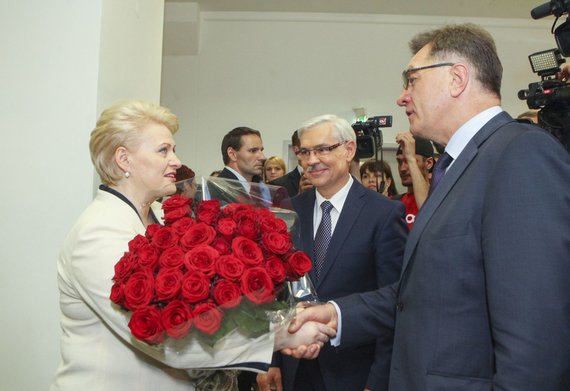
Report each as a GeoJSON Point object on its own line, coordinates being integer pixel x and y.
{"type": "Point", "coordinates": [564, 73]}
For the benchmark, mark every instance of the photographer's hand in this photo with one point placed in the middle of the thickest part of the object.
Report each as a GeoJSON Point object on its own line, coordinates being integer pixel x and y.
{"type": "Point", "coordinates": [564, 73]}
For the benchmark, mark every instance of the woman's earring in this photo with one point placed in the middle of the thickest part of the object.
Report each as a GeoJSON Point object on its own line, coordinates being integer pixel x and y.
{"type": "Point", "coordinates": [127, 174]}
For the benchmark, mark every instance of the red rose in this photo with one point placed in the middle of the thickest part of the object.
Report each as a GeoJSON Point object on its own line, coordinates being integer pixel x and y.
{"type": "Point", "coordinates": [176, 319]}
{"type": "Point", "coordinates": [227, 227]}
{"type": "Point", "coordinates": [276, 242]}
{"type": "Point", "coordinates": [222, 245]}
{"type": "Point", "coordinates": [139, 290]}
{"type": "Point", "coordinates": [231, 210]}
{"type": "Point", "coordinates": [174, 215]}
{"type": "Point", "coordinates": [248, 227]}
{"type": "Point", "coordinates": [226, 293]}
{"type": "Point", "coordinates": [146, 256]}
{"type": "Point", "coordinates": [247, 251]}
{"type": "Point", "coordinates": [137, 241]}
{"type": "Point", "coordinates": [230, 267]}
{"type": "Point", "coordinates": [257, 286]}
{"type": "Point", "coordinates": [245, 211]}
{"type": "Point", "coordinates": [175, 202]}
{"type": "Point", "coordinates": [195, 287]}
{"type": "Point", "coordinates": [117, 293]}
{"type": "Point", "coordinates": [124, 267]}
{"type": "Point", "coordinates": [263, 213]}
{"type": "Point", "coordinates": [168, 283]}
{"type": "Point", "coordinates": [207, 317]}
{"type": "Point", "coordinates": [164, 237]}
{"type": "Point", "coordinates": [196, 235]}
{"type": "Point", "coordinates": [203, 259]}
{"type": "Point", "coordinates": [299, 264]}
{"type": "Point", "coordinates": [208, 211]}
{"type": "Point", "coordinates": [151, 230]}
{"type": "Point", "coordinates": [270, 224]}
{"type": "Point", "coordinates": [276, 269]}
{"type": "Point", "coordinates": [146, 325]}
{"type": "Point", "coordinates": [172, 257]}
{"type": "Point", "coordinates": [180, 226]}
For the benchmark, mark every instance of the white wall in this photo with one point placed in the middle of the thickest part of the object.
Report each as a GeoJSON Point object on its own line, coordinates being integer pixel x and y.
{"type": "Point", "coordinates": [62, 61]}
{"type": "Point", "coordinates": [271, 71]}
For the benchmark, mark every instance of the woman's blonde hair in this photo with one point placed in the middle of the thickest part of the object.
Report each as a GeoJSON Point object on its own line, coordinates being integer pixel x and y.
{"type": "Point", "coordinates": [120, 126]}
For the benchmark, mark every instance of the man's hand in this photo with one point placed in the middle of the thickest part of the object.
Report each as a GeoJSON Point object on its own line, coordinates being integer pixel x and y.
{"type": "Point", "coordinates": [270, 381]}
{"type": "Point", "coordinates": [564, 73]}
{"type": "Point", "coordinates": [324, 314]}
{"type": "Point", "coordinates": [408, 144]}
{"type": "Point", "coordinates": [307, 334]}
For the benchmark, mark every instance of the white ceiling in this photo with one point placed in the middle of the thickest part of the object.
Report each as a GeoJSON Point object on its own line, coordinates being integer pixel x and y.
{"type": "Point", "coordinates": [465, 8]}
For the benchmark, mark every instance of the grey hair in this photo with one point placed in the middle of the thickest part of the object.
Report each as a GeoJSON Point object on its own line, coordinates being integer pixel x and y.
{"type": "Point", "coordinates": [342, 128]}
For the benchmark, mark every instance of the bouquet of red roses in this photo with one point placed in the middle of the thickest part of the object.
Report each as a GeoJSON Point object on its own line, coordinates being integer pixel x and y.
{"type": "Point", "coordinates": [209, 270]}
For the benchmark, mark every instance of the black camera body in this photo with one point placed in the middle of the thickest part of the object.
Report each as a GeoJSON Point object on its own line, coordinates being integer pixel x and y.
{"type": "Point", "coordinates": [369, 136]}
{"type": "Point", "coordinates": [550, 95]}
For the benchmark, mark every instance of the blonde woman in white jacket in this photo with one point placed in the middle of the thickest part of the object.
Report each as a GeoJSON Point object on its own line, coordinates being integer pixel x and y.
{"type": "Point", "coordinates": [133, 151]}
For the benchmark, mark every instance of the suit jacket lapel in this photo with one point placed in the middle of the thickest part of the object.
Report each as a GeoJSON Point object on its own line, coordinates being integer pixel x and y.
{"type": "Point", "coordinates": [348, 217]}
{"type": "Point", "coordinates": [306, 208]}
{"type": "Point", "coordinates": [448, 181]}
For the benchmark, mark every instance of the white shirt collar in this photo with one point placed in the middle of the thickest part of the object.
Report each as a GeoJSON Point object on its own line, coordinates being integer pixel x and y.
{"type": "Point", "coordinates": [245, 183]}
{"type": "Point", "coordinates": [465, 133]}
{"type": "Point", "coordinates": [339, 198]}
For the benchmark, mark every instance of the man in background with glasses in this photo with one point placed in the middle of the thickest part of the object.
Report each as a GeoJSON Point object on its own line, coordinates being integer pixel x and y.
{"type": "Point", "coordinates": [483, 302]}
{"type": "Point", "coordinates": [365, 237]}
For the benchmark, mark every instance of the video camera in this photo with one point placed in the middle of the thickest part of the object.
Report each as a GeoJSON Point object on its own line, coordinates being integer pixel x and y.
{"type": "Point", "coordinates": [551, 95]}
{"type": "Point", "coordinates": [369, 135]}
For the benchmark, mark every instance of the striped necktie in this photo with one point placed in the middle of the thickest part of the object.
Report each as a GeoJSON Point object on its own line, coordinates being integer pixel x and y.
{"type": "Point", "coordinates": [322, 238]}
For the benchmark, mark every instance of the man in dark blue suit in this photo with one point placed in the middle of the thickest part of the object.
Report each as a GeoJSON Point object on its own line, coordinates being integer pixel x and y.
{"type": "Point", "coordinates": [292, 179]}
{"type": "Point", "coordinates": [242, 153]}
{"type": "Point", "coordinates": [484, 298]}
{"type": "Point", "coordinates": [367, 238]}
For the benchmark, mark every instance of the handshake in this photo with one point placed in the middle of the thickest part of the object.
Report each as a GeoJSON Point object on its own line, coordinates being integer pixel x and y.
{"type": "Point", "coordinates": [311, 328]}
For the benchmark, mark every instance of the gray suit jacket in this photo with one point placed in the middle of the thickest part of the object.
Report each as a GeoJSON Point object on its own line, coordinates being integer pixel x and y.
{"type": "Point", "coordinates": [484, 298]}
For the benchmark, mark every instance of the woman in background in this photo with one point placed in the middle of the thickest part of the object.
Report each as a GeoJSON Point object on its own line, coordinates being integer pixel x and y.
{"type": "Point", "coordinates": [133, 151]}
{"type": "Point", "coordinates": [273, 168]}
{"type": "Point", "coordinates": [371, 175]}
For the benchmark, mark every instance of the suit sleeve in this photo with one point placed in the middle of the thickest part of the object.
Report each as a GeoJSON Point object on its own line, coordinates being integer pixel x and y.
{"type": "Point", "coordinates": [526, 251]}
{"type": "Point", "coordinates": [366, 316]}
{"type": "Point", "coordinates": [389, 250]}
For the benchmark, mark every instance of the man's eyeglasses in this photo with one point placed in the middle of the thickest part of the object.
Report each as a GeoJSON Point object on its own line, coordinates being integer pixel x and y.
{"type": "Point", "coordinates": [407, 72]}
{"type": "Point", "coordinates": [305, 153]}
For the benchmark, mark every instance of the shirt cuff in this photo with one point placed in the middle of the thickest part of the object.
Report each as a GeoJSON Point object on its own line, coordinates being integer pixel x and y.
{"type": "Point", "coordinates": [336, 340]}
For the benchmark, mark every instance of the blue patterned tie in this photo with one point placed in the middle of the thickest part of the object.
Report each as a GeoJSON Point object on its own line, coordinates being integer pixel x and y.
{"type": "Point", "coordinates": [322, 238]}
{"type": "Point", "coordinates": [439, 170]}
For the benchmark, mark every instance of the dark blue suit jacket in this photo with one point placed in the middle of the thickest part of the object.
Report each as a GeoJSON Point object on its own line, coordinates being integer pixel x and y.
{"type": "Point", "coordinates": [484, 298]}
{"type": "Point", "coordinates": [365, 253]}
{"type": "Point", "coordinates": [289, 181]}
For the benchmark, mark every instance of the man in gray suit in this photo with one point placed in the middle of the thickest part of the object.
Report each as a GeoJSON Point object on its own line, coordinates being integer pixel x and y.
{"type": "Point", "coordinates": [483, 302]}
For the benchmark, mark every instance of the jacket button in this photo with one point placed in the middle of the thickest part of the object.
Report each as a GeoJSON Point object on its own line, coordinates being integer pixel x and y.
{"type": "Point", "coordinates": [400, 307]}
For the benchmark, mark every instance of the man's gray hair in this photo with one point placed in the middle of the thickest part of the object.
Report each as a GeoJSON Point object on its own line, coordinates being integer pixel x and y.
{"type": "Point", "coordinates": [342, 128]}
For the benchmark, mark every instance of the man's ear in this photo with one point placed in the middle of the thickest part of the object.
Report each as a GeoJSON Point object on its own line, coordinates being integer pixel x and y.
{"type": "Point", "coordinates": [232, 154]}
{"type": "Point", "coordinates": [429, 163]}
{"type": "Point", "coordinates": [351, 149]}
{"type": "Point", "coordinates": [459, 79]}
{"type": "Point", "coordinates": [122, 159]}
